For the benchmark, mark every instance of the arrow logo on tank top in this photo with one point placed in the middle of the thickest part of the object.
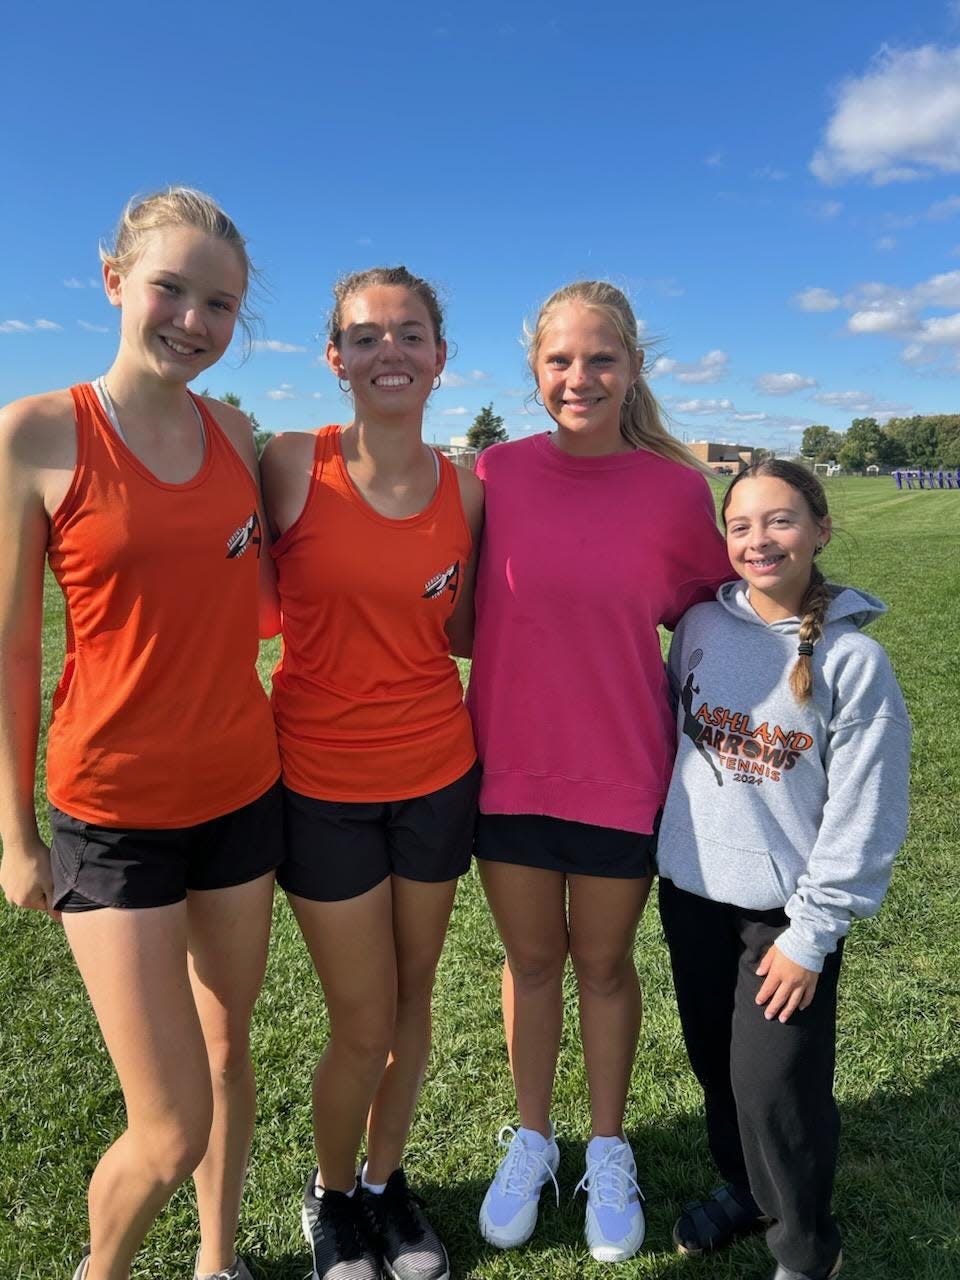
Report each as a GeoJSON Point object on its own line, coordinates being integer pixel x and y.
{"type": "Point", "coordinates": [448, 580]}
{"type": "Point", "coordinates": [240, 539]}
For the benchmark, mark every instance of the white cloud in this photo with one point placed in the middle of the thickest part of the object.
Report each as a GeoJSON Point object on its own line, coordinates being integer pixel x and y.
{"type": "Point", "coordinates": [862, 402]}
{"type": "Point", "coordinates": [770, 174]}
{"type": "Point", "coordinates": [941, 210]}
{"type": "Point", "coordinates": [782, 384]}
{"type": "Point", "coordinates": [749, 417]}
{"type": "Point", "coordinates": [714, 159]}
{"type": "Point", "coordinates": [283, 392]}
{"type": "Point", "coordinates": [880, 319]}
{"type": "Point", "coordinates": [317, 395]}
{"type": "Point", "coordinates": [451, 379]}
{"type": "Point", "coordinates": [885, 243]}
{"type": "Point", "coordinates": [898, 122]}
{"type": "Point", "coordinates": [458, 412]}
{"type": "Point", "coordinates": [817, 300]}
{"type": "Point", "coordinates": [703, 406]}
{"type": "Point", "coordinates": [22, 326]}
{"type": "Point", "coordinates": [271, 344]}
{"type": "Point", "coordinates": [713, 367]}
{"type": "Point", "coordinates": [93, 328]}
{"type": "Point", "coordinates": [74, 283]}
{"type": "Point", "coordinates": [825, 210]}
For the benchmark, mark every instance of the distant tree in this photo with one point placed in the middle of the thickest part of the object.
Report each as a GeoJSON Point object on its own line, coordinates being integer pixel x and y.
{"type": "Point", "coordinates": [924, 440]}
{"type": "Point", "coordinates": [820, 443]}
{"type": "Point", "coordinates": [260, 436]}
{"type": "Point", "coordinates": [486, 429]}
{"type": "Point", "coordinates": [866, 445]}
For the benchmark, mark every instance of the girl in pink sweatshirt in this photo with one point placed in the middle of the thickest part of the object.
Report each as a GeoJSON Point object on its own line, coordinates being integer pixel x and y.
{"type": "Point", "coordinates": [596, 533]}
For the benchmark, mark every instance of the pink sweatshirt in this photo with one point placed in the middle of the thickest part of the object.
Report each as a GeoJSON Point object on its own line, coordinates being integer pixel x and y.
{"type": "Point", "coordinates": [581, 559]}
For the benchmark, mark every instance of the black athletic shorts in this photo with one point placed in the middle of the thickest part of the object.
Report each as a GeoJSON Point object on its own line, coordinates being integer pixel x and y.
{"type": "Point", "coordinates": [575, 848]}
{"type": "Point", "coordinates": [340, 849]}
{"type": "Point", "coordinates": [96, 866]}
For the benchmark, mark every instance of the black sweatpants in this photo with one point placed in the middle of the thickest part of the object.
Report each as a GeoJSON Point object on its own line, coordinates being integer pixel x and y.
{"type": "Point", "coordinates": [772, 1122]}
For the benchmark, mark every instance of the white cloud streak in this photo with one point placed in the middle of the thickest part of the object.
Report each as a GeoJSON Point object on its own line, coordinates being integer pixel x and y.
{"type": "Point", "coordinates": [782, 384]}
{"type": "Point", "coordinates": [93, 328]}
{"type": "Point", "coordinates": [285, 391]}
{"type": "Point", "coordinates": [713, 367]}
{"type": "Point", "coordinates": [271, 344]}
{"type": "Point", "coordinates": [23, 326]}
{"type": "Point", "coordinates": [817, 300]}
{"type": "Point", "coordinates": [898, 122]}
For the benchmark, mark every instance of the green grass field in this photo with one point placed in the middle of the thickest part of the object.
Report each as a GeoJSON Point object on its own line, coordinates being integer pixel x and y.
{"type": "Point", "coordinates": [898, 1081]}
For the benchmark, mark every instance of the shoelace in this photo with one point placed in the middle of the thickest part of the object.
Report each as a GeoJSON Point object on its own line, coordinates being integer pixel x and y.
{"type": "Point", "coordinates": [401, 1203]}
{"type": "Point", "coordinates": [609, 1182]}
{"type": "Point", "coordinates": [517, 1172]}
{"type": "Point", "coordinates": [341, 1214]}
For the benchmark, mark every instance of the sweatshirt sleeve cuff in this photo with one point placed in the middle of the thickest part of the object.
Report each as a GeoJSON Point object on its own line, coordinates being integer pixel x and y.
{"type": "Point", "coordinates": [803, 950]}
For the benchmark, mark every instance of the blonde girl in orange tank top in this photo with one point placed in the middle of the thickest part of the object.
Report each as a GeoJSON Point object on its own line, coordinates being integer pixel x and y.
{"type": "Point", "coordinates": [376, 536]}
{"type": "Point", "coordinates": [162, 761]}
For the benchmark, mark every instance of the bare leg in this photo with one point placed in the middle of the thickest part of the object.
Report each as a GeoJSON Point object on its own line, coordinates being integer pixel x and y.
{"type": "Point", "coordinates": [604, 914]}
{"type": "Point", "coordinates": [528, 906]}
{"type": "Point", "coordinates": [228, 934]}
{"type": "Point", "coordinates": [421, 913]}
{"type": "Point", "coordinates": [135, 970]}
{"type": "Point", "coordinates": [352, 947]}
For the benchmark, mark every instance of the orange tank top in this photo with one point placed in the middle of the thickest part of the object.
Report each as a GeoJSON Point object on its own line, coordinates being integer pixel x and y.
{"type": "Point", "coordinates": [159, 719]}
{"type": "Point", "coordinates": [367, 699]}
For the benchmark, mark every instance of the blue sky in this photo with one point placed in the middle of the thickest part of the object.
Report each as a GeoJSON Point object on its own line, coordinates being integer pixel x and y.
{"type": "Point", "coordinates": [776, 186]}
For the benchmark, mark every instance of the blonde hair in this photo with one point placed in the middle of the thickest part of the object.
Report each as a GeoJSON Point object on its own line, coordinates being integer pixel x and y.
{"type": "Point", "coordinates": [641, 420]}
{"type": "Point", "coordinates": [178, 207]}
{"type": "Point", "coordinates": [349, 286]}
{"type": "Point", "coordinates": [817, 597]}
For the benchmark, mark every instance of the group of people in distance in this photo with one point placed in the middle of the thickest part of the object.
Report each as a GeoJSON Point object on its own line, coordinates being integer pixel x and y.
{"type": "Point", "coordinates": [762, 773]}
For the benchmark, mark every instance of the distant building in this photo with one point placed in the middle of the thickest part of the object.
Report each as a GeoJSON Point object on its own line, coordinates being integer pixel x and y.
{"type": "Point", "coordinates": [724, 459]}
{"type": "Point", "coordinates": [459, 452]}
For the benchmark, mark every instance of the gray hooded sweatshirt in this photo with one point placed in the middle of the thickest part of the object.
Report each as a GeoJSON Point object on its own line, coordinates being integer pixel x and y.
{"type": "Point", "coordinates": [776, 803]}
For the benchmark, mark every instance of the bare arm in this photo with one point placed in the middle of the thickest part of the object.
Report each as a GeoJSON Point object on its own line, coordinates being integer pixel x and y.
{"type": "Point", "coordinates": [236, 426]}
{"type": "Point", "coordinates": [37, 456]}
{"type": "Point", "coordinates": [460, 623]}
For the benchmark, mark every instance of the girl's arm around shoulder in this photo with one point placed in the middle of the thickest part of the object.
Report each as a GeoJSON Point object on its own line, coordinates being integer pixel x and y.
{"type": "Point", "coordinates": [37, 460]}
{"type": "Point", "coordinates": [286, 468]}
{"type": "Point", "coordinates": [460, 624]}
{"type": "Point", "coordinates": [864, 818]}
{"type": "Point", "coordinates": [238, 429]}
{"type": "Point", "coordinates": [695, 547]}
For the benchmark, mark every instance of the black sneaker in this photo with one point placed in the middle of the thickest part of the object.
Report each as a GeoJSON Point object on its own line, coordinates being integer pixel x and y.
{"type": "Point", "coordinates": [338, 1235]}
{"type": "Point", "coordinates": [409, 1246]}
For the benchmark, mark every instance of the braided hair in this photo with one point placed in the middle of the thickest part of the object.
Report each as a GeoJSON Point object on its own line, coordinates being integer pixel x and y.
{"type": "Point", "coordinates": [817, 597]}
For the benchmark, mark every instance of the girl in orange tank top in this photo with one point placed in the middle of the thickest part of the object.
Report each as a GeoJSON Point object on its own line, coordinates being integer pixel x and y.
{"type": "Point", "coordinates": [162, 759]}
{"type": "Point", "coordinates": [375, 551]}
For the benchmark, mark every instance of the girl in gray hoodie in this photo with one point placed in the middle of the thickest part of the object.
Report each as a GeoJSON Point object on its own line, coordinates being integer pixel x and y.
{"type": "Point", "coordinates": [787, 806]}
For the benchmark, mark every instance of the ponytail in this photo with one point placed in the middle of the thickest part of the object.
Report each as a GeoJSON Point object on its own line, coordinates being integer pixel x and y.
{"type": "Point", "coordinates": [813, 612]}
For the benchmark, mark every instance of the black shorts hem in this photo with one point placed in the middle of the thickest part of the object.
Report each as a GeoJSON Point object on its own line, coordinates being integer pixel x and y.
{"type": "Point", "coordinates": [545, 843]}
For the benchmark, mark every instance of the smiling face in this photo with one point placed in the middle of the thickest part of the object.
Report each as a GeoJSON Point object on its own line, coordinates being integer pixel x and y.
{"type": "Point", "coordinates": [179, 301]}
{"type": "Point", "coordinates": [387, 350]}
{"type": "Point", "coordinates": [584, 372]}
{"type": "Point", "coordinates": [772, 535]}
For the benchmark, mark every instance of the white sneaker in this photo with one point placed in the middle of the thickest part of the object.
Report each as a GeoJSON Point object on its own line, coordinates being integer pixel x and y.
{"type": "Point", "coordinates": [81, 1270]}
{"type": "Point", "coordinates": [238, 1271]}
{"type": "Point", "coordinates": [614, 1226]}
{"type": "Point", "coordinates": [508, 1214]}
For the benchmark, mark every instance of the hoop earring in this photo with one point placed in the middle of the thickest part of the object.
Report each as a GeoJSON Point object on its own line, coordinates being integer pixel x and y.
{"type": "Point", "coordinates": [536, 399]}
{"type": "Point", "coordinates": [818, 548]}
{"type": "Point", "coordinates": [436, 383]}
{"type": "Point", "coordinates": [343, 388]}
{"type": "Point", "coordinates": [631, 395]}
